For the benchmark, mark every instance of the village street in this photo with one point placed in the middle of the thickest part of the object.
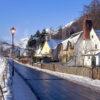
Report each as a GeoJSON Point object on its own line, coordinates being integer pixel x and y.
{"type": "Point", "coordinates": [49, 87]}
{"type": "Point", "coordinates": [50, 50]}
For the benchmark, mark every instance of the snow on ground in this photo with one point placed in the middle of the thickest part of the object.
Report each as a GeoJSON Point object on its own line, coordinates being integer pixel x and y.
{"type": "Point", "coordinates": [2, 65]}
{"type": "Point", "coordinates": [85, 81]}
{"type": "Point", "coordinates": [2, 68]}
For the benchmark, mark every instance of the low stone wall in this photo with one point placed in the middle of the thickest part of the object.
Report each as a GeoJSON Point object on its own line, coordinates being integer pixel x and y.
{"type": "Point", "coordinates": [82, 71]}
{"type": "Point", "coordinates": [96, 73]}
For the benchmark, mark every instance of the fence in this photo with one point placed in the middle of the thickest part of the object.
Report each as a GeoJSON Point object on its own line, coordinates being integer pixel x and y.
{"type": "Point", "coordinates": [83, 71]}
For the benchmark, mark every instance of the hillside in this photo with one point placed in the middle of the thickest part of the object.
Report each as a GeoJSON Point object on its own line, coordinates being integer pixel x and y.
{"type": "Point", "coordinates": [67, 30]}
{"type": "Point", "coordinates": [22, 43]}
{"type": "Point", "coordinates": [92, 11]}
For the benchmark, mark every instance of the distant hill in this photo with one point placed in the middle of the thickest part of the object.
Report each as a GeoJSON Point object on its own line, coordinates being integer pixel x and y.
{"type": "Point", "coordinates": [66, 30]}
{"type": "Point", "coordinates": [92, 11]}
{"type": "Point", "coordinates": [4, 45]}
{"type": "Point", "coordinates": [22, 43]}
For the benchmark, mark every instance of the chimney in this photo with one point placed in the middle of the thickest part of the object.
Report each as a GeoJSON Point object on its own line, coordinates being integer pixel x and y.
{"type": "Point", "coordinates": [87, 26]}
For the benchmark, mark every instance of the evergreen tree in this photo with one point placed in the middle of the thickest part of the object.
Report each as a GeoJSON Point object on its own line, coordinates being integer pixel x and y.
{"type": "Point", "coordinates": [31, 42]}
{"type": "Point", "coordinates": [37, 34]}
{"type": "Point", "coordinates": [43, 37]}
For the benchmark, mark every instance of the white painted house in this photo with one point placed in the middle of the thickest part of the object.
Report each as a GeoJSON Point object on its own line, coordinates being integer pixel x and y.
{"type": "Point", "coordinates": [87, 51]}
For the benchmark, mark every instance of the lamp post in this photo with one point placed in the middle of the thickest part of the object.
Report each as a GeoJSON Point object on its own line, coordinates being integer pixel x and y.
{"type": "Point", "coordinates": [13, 31]}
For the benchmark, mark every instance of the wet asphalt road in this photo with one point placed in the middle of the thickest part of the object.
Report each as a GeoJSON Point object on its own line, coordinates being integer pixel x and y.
{"type": "Point", "coordinates": [49, 87]}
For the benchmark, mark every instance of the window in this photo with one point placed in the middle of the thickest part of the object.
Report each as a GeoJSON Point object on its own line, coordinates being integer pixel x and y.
{"type": "Point", "coordinates": [88, 57]}
{"type": "Point", "coordinates": [92, 36]}
{"type": "Point", "coordinates": [95, 46]}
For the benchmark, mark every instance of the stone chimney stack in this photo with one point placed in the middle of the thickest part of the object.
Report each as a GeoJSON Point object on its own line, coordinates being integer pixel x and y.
{"type": "Point", "coordinates": [87, 26]}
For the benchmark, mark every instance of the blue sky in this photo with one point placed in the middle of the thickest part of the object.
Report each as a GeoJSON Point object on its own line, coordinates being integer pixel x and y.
{"type": "Point", "coordinates": [30, 15]}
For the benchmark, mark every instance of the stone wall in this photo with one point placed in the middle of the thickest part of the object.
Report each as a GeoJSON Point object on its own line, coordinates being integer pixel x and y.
{"type": "Point", "coordinates": [82, 71]}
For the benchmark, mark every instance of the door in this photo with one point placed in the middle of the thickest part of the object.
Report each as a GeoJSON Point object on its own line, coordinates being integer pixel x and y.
{"type": "Point", "coordinates": [93, 61]}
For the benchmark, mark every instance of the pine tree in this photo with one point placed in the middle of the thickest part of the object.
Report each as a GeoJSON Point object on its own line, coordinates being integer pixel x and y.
{"type": "Point", "coordinates": [43, 37]}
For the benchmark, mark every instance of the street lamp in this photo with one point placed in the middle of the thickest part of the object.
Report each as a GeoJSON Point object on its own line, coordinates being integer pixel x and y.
{"type": "Point", "coordinates": [13, 31]}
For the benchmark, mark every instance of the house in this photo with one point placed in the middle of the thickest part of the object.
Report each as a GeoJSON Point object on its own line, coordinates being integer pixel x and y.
{"type": "Point", "coordinates": [82, 48]}
{"type": "Point", "coordinates": [49, 49]}
{"type": "Point", "coordinates": [67, 48]}
{"type": "Point", "coordinates": [87, 47]}
{"type": "Point", "coordinates": [38, 56]}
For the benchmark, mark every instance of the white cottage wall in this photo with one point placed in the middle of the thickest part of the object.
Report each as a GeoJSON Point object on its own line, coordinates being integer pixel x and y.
{"type": "Point", "coordinates": [97, 60]}
{"type": "Point", "coordinates": [87, 61]}
{"type": "Point", "coordinates": [84, 47]}
{"type": "Point", "coordinates": [95, 40]}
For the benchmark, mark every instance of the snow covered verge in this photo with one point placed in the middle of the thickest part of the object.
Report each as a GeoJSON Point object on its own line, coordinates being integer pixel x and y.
{"type": "Point", "coordinates": [85, 81]}
{"type": "Point", "coordinates": [2, 66]}
{"type": "Point", "coordinates": [2, 70]}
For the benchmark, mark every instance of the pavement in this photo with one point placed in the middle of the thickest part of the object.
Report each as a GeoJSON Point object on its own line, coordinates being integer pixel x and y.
{"type": "Point", "coordinates": [50, 87]}
{"type": "Point", "coordinates": [17, 88]}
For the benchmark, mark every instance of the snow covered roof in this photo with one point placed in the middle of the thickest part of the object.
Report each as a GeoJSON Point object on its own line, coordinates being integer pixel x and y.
{"type": "Point", "coordinates": [38, 52]}
{"type": "Point", "coordinates": [53, 43]}
{"type": "Point", "coordinates": [73, 39]}
{"type": "Point", "coordinates": [98, 33]}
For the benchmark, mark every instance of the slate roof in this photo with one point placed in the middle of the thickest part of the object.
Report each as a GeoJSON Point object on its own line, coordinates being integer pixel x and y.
{"type": "Point", "coordinates": [73, 39]}
{"type": "Point", "coordinates": [53, 43]}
